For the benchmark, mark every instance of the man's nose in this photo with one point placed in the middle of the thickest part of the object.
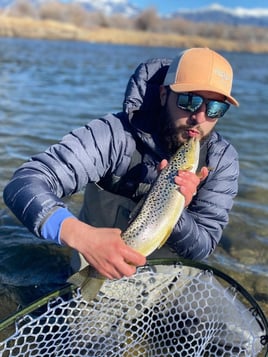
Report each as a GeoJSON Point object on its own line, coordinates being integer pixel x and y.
{"type": "Point", "coordinates": [200, 115]}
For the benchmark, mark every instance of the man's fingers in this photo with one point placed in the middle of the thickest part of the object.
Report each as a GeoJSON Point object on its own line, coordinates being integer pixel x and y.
{"type": "Point", "coordinates": [133, 257]}
{"type": "Point", "coordinates": [203, 173]}
{"type": "Point", "coordinates": [162, 165]}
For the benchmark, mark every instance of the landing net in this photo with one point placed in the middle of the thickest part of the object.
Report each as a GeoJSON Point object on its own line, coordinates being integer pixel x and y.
{"type": "Point", "coordinates": [165, 309]}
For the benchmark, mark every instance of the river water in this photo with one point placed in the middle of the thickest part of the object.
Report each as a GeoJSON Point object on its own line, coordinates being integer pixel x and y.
{"type": "Point", "coordinates": [49, 87]}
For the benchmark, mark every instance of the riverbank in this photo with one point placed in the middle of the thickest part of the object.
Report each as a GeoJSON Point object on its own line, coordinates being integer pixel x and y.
{"type": "Point", "coordinates": [53, 30]}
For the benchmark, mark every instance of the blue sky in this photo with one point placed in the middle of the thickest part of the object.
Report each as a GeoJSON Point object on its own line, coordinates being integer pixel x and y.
{"type": "Point", "coordinates": [166, 6]}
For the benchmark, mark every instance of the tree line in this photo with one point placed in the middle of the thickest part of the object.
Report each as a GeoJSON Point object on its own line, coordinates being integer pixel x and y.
{"type": "Point", "coordinates": [148, 20]}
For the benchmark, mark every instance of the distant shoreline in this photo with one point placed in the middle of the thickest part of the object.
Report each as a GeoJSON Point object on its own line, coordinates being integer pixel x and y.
{"type": "Point", "coordinates": [53, 30]}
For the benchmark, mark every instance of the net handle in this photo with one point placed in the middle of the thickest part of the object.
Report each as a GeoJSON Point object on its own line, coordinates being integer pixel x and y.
{"type": "Point", "coordinates": [68, 288]}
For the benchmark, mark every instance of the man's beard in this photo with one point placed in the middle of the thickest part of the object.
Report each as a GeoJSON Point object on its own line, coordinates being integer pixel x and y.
{"type": "Point", "coordinates": [169, 134]}
{"type": "Point", "coordinates": [173, 137]}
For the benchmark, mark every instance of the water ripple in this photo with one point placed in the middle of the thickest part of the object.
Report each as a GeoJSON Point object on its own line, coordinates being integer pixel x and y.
{"type": "Point", "coordinates": [49, 87]}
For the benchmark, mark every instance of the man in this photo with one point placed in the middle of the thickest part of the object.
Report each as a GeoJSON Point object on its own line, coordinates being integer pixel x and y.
{"type": "Point", "coordinates": [166, 103]}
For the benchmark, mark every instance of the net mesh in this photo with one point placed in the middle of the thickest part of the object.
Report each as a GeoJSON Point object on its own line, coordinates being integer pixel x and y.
{"type": "Point", "coordinates": [161, 311]}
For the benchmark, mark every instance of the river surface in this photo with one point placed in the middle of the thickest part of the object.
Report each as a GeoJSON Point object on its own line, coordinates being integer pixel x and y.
{"type": "Point", "coordinates": [48, 88]}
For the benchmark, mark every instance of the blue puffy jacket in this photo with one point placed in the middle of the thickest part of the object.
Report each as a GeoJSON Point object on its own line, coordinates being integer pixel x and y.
{"type": "Point", "coordinates": [104, 148]}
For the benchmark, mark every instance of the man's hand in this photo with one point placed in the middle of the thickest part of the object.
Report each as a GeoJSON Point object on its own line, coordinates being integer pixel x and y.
{"type": "Point", "coordinates": [103, 248]}
{"type": "Point", "coordinates": [187, 181]}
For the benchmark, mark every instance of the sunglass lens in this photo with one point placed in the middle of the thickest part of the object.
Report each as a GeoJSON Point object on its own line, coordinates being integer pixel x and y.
{"type": "Point", "coordinates": [189, 102]}
{"type": "Point", "coordinates": [183, 101]}
{"type": "Point", "coordinates": [196, 103]}
{"type": "Point", "coordinates": [216, 109]}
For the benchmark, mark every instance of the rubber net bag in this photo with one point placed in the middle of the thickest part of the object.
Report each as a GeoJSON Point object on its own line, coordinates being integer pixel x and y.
{"type": "Point", "coordinates": [163, 310]}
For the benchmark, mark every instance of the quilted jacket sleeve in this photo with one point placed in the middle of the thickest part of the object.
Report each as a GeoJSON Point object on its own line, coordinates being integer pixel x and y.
{"type": "Point", "coordinates": [82, 156]}
{"type": "Point", "coordinates": [200, 227]}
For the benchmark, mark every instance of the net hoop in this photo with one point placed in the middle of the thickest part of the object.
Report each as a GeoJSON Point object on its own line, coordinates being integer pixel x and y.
{"type": "Point", "coordinates": [29, 316]}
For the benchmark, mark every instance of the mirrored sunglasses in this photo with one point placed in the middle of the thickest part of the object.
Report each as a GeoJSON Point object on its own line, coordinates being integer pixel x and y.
{"type": "Point", "coordinates": [192, 102]}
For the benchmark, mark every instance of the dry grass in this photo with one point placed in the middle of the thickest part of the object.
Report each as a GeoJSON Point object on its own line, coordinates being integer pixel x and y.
{"type": "Point", "coordinates": [53, 30]}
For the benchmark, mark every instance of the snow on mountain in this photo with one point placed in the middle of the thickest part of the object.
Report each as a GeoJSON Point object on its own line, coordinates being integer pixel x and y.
{"type": "Point", "coordinates": [220, 14]}
{"type": "Point", "coordinates": [110, 6]}
{"type": "Point", "coordinates": [237, 11]}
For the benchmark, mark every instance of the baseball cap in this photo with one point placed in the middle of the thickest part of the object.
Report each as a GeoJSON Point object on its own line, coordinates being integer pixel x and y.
{"type": "Point", "coordinates": [201, 69]}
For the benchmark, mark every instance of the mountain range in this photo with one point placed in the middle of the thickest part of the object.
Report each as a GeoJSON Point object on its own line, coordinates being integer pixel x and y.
{"type": "Point", "coordinates": [214, 13]}
{"type": "Point", "coordinates": [124, 7]}
{"type": "Point", "coordinates": [231, 16]}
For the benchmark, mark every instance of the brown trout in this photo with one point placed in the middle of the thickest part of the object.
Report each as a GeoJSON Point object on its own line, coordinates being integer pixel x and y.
{"type": "Point", "coordinates": [156, 219]}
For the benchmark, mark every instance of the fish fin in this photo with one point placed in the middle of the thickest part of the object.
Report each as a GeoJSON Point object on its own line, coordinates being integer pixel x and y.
{"type": "Point", "coordinates": [91, 287]}
{"type": "Point", "coordinates": [88, 280]}
{"type": "Point", "coordinates": [79, 277]}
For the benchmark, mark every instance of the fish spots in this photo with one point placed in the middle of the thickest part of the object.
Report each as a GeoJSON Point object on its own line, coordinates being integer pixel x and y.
{"type": "Point", "coordinates": [163, 204]}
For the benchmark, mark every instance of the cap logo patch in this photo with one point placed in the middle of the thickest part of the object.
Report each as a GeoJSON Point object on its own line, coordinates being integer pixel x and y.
{"type": "Point", "coordinates": [222, 74]}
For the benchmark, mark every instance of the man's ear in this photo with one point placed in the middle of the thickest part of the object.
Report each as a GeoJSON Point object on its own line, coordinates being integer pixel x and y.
{"type": "Point", "coordinates": [163, 95]}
